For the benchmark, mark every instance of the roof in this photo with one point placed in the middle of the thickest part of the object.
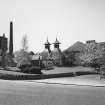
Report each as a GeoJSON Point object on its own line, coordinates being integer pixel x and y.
{"type": "Point", "coordinates": [36, 57]}
{"type": "Point", "coordinates": [47, 43]}
{"type": "Point", "coordinates": [102, 43]}
{"type": "Point", "coordinates": [57, 42]}
{"type": "Point", "coordinates": [56, 50]}
{"type": "Point", "coordinates": [45, 53]}
{"type": "Point", "coordinates": [78, 46]}
{"type": "Point", "coordinates": [90, 41]}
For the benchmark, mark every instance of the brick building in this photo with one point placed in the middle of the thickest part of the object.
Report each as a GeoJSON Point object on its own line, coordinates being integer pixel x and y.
{"type": "Point", "coordinates": [3, 47]}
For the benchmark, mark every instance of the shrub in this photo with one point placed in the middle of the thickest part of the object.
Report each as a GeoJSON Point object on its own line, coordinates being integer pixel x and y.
{"type": "Point", "coordinates": [35, 70]}
{"type": "Point", "coordinates": [68, 58]}
{"type": "Point", "coordinates": [30, 69]}
{"type": "Point", "coordinates": [94, 56]}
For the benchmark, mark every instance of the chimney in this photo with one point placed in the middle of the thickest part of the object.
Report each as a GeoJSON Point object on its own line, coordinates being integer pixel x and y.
{"type": "Point", "coordinates": [11, 39]}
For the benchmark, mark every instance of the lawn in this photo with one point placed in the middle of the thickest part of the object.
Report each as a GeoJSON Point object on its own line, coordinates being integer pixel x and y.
{"type": "Point", "coordinates": [58, 70]}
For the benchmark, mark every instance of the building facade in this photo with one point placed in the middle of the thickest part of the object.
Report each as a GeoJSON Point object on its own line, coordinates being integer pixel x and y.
{"type": "Point", "coordinates": [3, 48]}
{"type": "Point", "coordinates": [3, 43]}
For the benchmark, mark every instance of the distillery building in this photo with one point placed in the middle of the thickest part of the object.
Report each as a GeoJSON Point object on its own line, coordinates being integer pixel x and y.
{"type": "Point", "coordinates": [53, 57]}
{"type": "Point", "coordinates": [47, 55]}
{"type": "Point", "coordinates": [57, 54]}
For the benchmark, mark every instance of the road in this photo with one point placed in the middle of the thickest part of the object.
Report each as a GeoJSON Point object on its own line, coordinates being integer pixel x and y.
{"type": "Point", "coordinates": [31, 93]}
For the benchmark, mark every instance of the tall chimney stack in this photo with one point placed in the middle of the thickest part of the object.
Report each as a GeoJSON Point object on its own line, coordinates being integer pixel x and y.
{"type": "Point", "coordinates": [11, 39]}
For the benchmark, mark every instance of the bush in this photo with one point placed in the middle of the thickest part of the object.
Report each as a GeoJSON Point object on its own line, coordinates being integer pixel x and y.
{"type": "Point", "coordinates": [35, 70]}
{"type": "Point", "coordinates": [68, 58]}
{"type": "Point", "coordinates": [30, 69]}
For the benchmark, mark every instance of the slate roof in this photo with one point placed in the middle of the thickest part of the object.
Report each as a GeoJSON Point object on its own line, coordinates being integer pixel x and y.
{"type": "Point", "coordinates": [78, 46]}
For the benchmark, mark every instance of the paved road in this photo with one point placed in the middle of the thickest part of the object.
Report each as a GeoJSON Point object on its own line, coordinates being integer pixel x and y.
{"type": "Point", "coordinates": [29, 93]}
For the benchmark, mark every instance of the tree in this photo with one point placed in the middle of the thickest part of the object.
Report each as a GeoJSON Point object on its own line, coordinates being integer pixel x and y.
{"type": "Point", "coordinates": [25, 43]}
{"type": "Point", "coordinates": [94, 56]}
{"type": "Point", "coordinates": [68, 58]}
{"type": "Point", "coordinates": [22, 56]}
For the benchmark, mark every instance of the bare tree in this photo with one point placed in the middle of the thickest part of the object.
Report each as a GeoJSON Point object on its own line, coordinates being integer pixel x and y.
{"type": "Point", "coordinates": [25, 43]}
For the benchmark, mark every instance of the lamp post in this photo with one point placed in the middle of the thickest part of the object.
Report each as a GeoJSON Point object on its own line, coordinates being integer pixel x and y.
{"type": "Point", "coordinates": [39, 59]}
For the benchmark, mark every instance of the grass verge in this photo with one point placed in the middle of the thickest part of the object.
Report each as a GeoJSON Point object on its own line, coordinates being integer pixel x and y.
{"type": "Point", "coordinates": [24, 76]}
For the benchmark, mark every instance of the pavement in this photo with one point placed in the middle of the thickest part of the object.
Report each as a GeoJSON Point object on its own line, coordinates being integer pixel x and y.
{"type": "Point", "coordinates": [73, 81]}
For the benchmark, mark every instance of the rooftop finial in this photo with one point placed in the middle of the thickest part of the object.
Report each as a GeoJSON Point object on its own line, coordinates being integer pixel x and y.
{"type": "Point", "coordinates": [56, 41]}
{"type": "Point", "coordinates": [47, 38]}
{"type": "Point", "coordinates": [47, 42]}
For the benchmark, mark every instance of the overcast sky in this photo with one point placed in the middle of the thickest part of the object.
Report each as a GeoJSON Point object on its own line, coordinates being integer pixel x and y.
{"type": "Point", "coordinates": [68, 20]}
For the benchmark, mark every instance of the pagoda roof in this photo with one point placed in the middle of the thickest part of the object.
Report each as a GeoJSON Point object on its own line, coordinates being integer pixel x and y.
{"type": "Point", "coordinates": [57, 42]}
{"type": "Point", "coordinates": [47, 43]}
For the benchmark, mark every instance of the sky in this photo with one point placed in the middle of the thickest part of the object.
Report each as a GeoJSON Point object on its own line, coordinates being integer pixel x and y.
{"type": "Point", "coordinates": [68, 20]}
